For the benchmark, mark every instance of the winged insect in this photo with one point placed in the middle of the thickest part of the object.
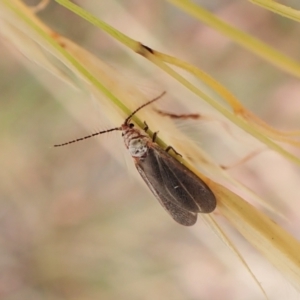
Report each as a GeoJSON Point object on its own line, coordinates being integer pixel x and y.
{"type": "Point", "coordinates": [181, 193]}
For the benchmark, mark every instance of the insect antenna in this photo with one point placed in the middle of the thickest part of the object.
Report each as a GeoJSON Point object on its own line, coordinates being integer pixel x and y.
{"type": "Point", "coordinates": [87, 137]}
{"type": "Point", "coordinates": [113, 129]}
{"type": "Point", "coordinates": [139, 108]}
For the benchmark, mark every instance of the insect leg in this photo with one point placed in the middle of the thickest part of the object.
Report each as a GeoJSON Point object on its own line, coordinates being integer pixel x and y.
{"type": "Point", "coordinates": [146, 126]}
{"type": "Point", "coordinates": [170, 147]}
{"type": "Point", "coordinates": [154, 136]}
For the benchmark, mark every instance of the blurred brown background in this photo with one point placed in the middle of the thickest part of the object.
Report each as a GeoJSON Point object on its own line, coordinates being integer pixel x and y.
{"type": "Point", "coordinates": [74, 224]}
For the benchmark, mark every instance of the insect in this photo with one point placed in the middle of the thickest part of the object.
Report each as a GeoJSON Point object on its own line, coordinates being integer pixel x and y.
{"type": "Point", "coordinates": [181, 193]}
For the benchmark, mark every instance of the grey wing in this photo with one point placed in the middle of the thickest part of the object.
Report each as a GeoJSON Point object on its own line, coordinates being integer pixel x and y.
{"type": "Point", "coordinates": [183, 186]}
{"type": "Point", "coordinates": [153, 179]}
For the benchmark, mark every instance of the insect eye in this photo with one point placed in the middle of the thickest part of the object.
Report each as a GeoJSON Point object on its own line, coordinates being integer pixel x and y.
{"type": "Point", "coordinates": [131, 125]}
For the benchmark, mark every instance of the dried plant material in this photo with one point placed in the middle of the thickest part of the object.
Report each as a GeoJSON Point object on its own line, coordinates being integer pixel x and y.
{"type": "Point", "coordinates": [159, 60]}
{"type": "Point", "coordinates": [121, 98]}
{"type": "Point", "coordinates": [278, 246]}
{"type": "Point", "coordinates": [249, 42]}
{"type": "Point", "coordinates": [279, 8]}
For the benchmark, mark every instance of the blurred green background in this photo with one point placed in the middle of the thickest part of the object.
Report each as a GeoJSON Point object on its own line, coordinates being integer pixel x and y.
{"type": "Point", "coordinates": [74, 224]}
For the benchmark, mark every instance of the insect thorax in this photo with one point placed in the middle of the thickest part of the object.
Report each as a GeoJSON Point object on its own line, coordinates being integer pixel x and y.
{"type": "Point", "coordinates": [135, 142]}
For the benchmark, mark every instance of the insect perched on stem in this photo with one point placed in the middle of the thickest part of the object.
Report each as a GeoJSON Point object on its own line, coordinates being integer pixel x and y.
{"type": "Point", "coordinates": [182, 194]}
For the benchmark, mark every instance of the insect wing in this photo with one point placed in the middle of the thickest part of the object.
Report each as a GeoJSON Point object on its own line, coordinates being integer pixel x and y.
{"type": "Point", "coordinates": [187, 189]}
{"type": "Point", "coordinates": [179, 191]}
{"type": "Point", "coordinates": [154, 182]}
